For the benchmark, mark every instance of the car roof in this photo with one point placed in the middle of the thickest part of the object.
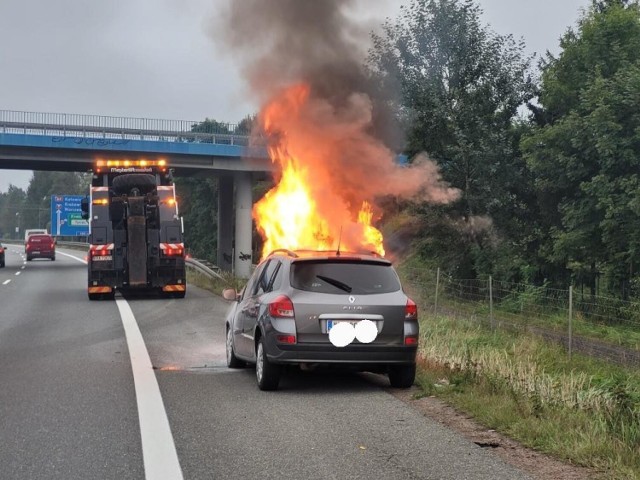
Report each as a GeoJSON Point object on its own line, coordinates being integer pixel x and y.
{"type": "Point", "coordinates": [304, 255]}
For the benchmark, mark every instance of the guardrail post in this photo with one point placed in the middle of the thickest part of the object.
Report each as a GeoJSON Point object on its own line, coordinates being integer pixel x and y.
{"type": "Point", "coordinates": [570, 320]}
{"type": "Point", "coordinates": [435, 305]}
{"type": "Point", "coordinates": [491, 302]}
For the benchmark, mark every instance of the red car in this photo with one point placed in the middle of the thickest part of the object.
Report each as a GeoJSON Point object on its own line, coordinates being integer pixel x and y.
{"type": "Point", "coordinates": [40, 246]}
{"type": "Point", "coordinates": [1, 256]}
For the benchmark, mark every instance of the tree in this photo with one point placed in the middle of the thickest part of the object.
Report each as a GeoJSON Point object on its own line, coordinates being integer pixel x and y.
{"type": "Point", "coordinates": [197, 198]}
{"type": "Point", "coordinates": [584, 152]}
{"type": "Point", "coordinates": [461, 85]}
{"type": "Point", "coordinates": [11, 203]}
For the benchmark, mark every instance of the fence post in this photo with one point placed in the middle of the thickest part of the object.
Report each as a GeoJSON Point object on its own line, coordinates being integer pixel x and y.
{"type": "Point", "coordinates": [570, 320]}
{"type": "Point", "coordinates": [491, 301]}
{"type": "Point", "coordinates": [435, 307]}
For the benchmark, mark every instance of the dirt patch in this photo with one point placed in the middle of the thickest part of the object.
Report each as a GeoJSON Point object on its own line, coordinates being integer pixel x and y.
{"type": "Point", "coordinates": [538, 465]}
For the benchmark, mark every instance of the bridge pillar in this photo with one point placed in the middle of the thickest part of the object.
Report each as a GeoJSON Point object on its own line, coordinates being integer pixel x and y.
{"type": "Point", "coordinates": [244, 225]}
{"type": "Point", "coordinates": [225, 222]}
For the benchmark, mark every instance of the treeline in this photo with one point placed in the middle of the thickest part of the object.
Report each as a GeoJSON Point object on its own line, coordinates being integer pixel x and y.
{"type": "Point", "coordinates": [551, 194]}
{"type": "Point", "coordinates": [21, 209]}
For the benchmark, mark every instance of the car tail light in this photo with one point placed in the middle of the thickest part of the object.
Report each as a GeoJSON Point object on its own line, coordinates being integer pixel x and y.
{"type": "Point", "coordinates": [411, 341]}
{"type": "Point", "coordinates": [281, 307]}
{"type": "Point", "coordinates": [290, 339]}
{"type": "Point", "coordinates": [411, 310]}
{"type": "Point", "coordinates": [102, 252]}
{"type": "Point", "coordinates": [28, 247]}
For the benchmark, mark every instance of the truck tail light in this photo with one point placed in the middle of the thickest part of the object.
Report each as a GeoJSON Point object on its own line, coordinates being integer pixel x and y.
{"type": "Point", "coordinates": [281, 307]}
{"type": "Point", "coordinates": [173, 252]}
{"type": "Point", "coordinates": [411, 310]}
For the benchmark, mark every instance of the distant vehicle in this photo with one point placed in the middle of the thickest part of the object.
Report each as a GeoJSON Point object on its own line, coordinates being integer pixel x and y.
{"type": "Point", "coordinates": [40, 246]}
{"type": "Point", "coordinates": [1, 256]}
{"type": "Point", "coordinates": [312, 308]}
{"type": "Point", "coordinates": [32, 231]}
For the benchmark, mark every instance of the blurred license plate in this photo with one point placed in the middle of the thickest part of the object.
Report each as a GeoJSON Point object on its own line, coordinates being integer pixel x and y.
{"type": "Point", "coordinates": [333, 323]}
{"type": "Point", "coordinates": [102, 258]}
{"type": "Point", "coordinates": [36, 252]}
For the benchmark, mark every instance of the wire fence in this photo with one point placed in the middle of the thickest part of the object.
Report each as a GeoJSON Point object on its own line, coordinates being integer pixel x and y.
{"type": "Point", "coordinates": [124, 128]}
{"type": "Point", "coordinates": [602, 327]}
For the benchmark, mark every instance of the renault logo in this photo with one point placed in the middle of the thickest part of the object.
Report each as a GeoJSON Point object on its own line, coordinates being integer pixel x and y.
{"type": "Point", "coordinates": [352, 299]}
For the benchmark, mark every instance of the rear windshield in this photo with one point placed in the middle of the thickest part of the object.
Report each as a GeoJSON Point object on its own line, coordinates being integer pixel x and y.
{"type": "Point", "coordinates": [344, 277]}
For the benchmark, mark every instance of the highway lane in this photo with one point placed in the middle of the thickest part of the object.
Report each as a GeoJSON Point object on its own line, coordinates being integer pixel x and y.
{"type": "Point", "coordinates": [67, 403]}
{"type": "Point", "coordinates": [68, 406]}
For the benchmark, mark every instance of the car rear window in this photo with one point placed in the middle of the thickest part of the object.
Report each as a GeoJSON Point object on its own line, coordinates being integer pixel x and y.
{"type": "Point", "coordinates": [362, 278]}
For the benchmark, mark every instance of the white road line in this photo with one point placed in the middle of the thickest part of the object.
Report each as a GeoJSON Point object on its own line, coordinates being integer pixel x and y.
{"type": "Point", "coordinates": [18, 273]}
{"type": "Point", "coordinates": [72, 256]}
{"type": "Point", "coordinates": [22, 267]}
{"type": "Point", "coordinates": [158, 449]}
{"type": "Point", "coordinates": [5, 282]}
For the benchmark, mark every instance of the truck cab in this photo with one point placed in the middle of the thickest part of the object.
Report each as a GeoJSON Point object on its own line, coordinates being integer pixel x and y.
{"type": "Point", "coordinates": [136, 237]}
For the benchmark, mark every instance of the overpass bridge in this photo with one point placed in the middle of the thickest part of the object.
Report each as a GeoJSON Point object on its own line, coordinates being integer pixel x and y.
{"type": "Point", "coordinates": [73, 142]}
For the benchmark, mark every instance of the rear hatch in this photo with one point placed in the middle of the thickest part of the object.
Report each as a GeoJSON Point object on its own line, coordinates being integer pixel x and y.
{"type": "Point", "coordinates": [325, 292]}
{"type": "Point", "coordinates": [40, 245]}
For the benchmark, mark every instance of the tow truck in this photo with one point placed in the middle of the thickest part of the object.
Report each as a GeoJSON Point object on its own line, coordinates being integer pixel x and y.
{"type": "Point", "coordinates": [136, 235]}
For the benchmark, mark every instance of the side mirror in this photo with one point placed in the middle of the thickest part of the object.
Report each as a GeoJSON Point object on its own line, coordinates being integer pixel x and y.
{"type": "Point", "coordinates": [230, 294]}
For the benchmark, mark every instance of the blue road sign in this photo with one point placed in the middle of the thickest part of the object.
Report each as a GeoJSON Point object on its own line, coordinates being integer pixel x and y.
{"type": "Point", "coordinates": [66, 216]}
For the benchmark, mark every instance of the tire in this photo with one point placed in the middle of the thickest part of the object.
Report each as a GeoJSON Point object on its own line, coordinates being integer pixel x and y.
{"type": "Point", "coordinates": [95, 296]}
{"type": "Point", "coordinates": [2, 265]}
{"type": "Point", "coordinates": [402, 376]}
{"type": "Point", "coordinates": [28, 258]}
{"type": "Point", "coordinates": [267, 373]}
{"type": "Point", "coordinates": [53, 259]}
{"type": "Point", "coordinates": [144, 182]}
{"type": "Point", "coordinates": [232, 360]}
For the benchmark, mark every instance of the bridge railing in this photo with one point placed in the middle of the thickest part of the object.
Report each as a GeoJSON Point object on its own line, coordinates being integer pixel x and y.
{"type": "Point", "coordinates": [125, 128]}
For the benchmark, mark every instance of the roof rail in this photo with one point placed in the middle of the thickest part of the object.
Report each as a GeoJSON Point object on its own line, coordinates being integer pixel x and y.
{"type": "Point", "coordinates": [285, 250]}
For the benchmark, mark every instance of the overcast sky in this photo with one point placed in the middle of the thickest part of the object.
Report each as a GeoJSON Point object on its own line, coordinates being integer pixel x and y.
{"type": "Point", "coordinates": [154, 58]}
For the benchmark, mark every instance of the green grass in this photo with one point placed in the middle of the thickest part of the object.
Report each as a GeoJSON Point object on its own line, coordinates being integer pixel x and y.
{"type": "Point", "coordinates": [580, 410]}
{"type": "Point", "coordinates": [420, 282]}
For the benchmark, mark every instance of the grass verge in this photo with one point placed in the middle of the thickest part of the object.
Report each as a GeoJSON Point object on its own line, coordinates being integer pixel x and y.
{"type": "Point", "coordinates": [214, 285]}
{"type": "Point", "coordinates": [581, 410]}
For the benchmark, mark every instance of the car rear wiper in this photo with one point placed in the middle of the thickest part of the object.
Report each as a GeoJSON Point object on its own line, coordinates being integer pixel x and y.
{"type": "Point", "coordinates": [335, 283]}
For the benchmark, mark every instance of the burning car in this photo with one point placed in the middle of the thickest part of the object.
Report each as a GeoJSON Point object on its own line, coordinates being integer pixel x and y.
{"type": "Point", "coordinates": [305, 307]}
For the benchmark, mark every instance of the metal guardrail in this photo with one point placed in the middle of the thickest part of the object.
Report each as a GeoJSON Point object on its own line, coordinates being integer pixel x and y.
{"type": "Point", "coordinates": [205, 268]}
{"type": "Point", "coordinates": [125, 128]}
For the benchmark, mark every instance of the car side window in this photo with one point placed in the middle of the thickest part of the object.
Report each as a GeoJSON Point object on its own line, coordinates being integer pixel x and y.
{"type": "Point", "coordinates": [265, 283]}
{"type": "Point", "coordinates": [251, 283]}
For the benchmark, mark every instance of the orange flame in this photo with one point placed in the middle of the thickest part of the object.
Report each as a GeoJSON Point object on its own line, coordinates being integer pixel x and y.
{"type": "Point", "coordinates": [306, 210]}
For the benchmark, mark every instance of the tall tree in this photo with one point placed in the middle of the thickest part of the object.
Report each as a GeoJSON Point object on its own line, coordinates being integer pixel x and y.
{"type": "Point", "coordinates": [11, 203]}
{"type": "Point", "coordinates": [585, 152]}
{"type": "Point", "coordinates": [461, 85]}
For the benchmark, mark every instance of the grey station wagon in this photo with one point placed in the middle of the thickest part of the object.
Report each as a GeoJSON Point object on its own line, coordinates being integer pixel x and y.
{"type": "Point", "coordinates": [308, 307]}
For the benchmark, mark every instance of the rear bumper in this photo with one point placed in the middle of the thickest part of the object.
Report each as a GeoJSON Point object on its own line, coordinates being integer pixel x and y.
{"type": "Point", "coordinates": [42, 254]}
{"type": "Point", "coordinates": [330, 354]}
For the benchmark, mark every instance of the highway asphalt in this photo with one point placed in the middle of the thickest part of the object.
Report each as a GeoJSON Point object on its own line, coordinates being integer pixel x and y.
{"type": "Point", "coordinates": [77, 399]}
